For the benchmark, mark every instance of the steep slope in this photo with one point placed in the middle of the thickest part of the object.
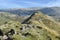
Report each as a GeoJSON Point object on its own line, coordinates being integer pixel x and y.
{"type": "Point", "coordinates": [37, 27]}
{"type": "Point", "coordinates": [46, 22]}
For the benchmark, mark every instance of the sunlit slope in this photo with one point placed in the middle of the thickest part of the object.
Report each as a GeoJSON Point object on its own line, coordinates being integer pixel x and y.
{"type": "Point", "coordinates": [37, 27]}
{"type": "Point", "coordinates": [35, 31]}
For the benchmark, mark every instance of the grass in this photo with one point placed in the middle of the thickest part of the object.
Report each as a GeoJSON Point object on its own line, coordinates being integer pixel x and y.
{"type": "Point", "coordinates": [49, 29]}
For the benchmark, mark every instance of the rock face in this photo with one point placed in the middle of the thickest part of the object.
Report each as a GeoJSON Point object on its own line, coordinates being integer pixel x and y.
{"type": "Point", "coordinates": [5, 37]}
{"type": "Point", "coordinates": [37, 27]}
{"type": "Point", "coordinates": [11, 32]}
{"type": "Point", "coordinates": [1, 33]}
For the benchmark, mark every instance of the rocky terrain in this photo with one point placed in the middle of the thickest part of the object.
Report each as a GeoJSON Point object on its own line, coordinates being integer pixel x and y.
{"type": "Point", "coordinates": [37, 26]}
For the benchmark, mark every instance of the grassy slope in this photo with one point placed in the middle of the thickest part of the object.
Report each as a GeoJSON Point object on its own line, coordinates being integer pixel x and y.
{"type": "Point", "coordinates": [40, 27]}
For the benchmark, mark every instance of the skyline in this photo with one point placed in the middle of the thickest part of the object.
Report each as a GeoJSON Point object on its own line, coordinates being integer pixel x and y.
{"type": "Point", "coordinates": [28, 3]}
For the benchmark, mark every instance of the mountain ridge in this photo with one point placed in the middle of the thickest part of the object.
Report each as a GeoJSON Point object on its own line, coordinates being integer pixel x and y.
{"type": "Point", "coordinates": [51, 11]}
{"type": "Point", "coordinates": [35, 26]}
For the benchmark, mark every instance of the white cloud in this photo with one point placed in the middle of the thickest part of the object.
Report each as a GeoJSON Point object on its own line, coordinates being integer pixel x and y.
{"type": "Point", "coordinates": [54, 3]}
{"type": "Point", "coordinates": [22, 3]}
{"type": "Point", "coordinates": [29, 2]}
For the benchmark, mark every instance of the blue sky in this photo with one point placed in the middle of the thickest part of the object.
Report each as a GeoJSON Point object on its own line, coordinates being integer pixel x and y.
{"type": "Point", "coordinates": [28, 3]}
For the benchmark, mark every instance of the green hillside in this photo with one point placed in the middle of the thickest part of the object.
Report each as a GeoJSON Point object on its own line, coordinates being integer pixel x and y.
{"type": "Point", "coordinates": [36, 27]}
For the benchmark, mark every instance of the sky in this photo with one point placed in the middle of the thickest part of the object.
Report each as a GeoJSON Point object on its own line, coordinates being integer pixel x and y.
{"type": "Point", "coordinates": [28, 3]}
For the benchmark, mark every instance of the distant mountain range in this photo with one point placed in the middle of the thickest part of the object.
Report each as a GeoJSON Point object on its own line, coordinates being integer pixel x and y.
{"type": "Point", "coordinates": [51, 11]}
